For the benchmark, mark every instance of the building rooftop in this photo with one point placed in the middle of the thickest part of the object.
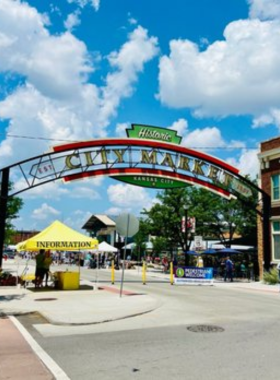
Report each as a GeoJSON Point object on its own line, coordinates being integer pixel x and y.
{"type": "Point", "coordinates": [98, 221]}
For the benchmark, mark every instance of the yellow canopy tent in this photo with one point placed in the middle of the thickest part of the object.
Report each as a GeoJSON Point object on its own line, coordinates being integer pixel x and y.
{"type": "Point", "coordinates": [58, 237]}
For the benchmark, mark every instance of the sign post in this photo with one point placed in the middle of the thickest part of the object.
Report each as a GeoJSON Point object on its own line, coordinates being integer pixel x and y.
{"type": "Point", "coordinates": [127, 225]}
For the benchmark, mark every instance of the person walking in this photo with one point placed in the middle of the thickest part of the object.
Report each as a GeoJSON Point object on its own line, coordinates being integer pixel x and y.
{"type": "Point", "coordinates": [228, 270]}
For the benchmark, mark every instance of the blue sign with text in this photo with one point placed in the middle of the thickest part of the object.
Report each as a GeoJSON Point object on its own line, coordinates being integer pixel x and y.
{"type": "Point", "coordinates": [193, 275]}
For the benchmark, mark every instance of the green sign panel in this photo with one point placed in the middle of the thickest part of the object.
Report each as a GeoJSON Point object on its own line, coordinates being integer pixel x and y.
{"type": "Point", "coordinates": [146, 132]}
{"type": "Point", "coordinates": [151, 182]}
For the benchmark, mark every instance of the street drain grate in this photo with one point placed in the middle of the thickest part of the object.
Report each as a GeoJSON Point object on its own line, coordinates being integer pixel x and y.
{"type": "Point", "coordinates": [45, 299]}
{"type": "Point", "coordinates": [205, 328]}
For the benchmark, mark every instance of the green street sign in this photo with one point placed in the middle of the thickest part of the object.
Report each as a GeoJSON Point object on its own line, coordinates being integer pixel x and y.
{"type": "Point", "coordinates": [151, 182]}
{"type": "Point", "coordinates": [147, 132]}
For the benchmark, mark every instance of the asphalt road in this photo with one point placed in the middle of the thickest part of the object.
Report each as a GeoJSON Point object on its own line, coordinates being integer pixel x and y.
{"type": "Point", "coordinates": [241, 340]}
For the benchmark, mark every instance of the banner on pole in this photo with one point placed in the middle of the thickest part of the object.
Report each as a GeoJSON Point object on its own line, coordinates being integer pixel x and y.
{"type": "Point", "coordinates": [190, 225]}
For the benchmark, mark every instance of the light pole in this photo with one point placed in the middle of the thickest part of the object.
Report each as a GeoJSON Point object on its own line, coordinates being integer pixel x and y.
{"type": "Point", "coordinates": [186, 233]}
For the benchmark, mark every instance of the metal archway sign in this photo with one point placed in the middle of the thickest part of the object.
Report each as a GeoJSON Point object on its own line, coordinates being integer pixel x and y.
{"type": "Point", "coordinates": [149, 157]}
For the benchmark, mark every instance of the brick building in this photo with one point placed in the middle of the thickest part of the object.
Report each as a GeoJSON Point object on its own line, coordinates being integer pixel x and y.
{"type": "Point", "coordinates": [269, 158]}
{"type": "Point", "coordinates": [23, 235]}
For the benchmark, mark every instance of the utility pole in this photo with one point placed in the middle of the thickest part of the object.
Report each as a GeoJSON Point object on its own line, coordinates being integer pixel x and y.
{"type": "Point", "coordinates": [186, 233]}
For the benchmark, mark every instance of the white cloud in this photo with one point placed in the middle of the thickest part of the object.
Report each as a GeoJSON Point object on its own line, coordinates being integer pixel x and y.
{"type": "Point", "coordinates": [267, 119]}
{"type": "Point", "coordinates": [73, 20]}
{"type": "Point", "coordinates": [57, 191]}
{"type": "Point", "coordinates": [127, 62]}
{"type": "Point", "coordinates": [82, 3]}
{"type": "Point", "coordinates": [115, 211]}
{"type": "Point", "coordinates": [237, 75]}
{"type": "Point", "coordinates": [120, 129]}
{"type": "Point", "coordinates": [44, 212]}
{"type": "Point", "coordinates": [93, 181]}
{"type": "Point", "coordinates": [52, 64]}
{"type": "Point", "coordinates": [55, 9]}
{"type": "Point", "coordinates": [262, 121]}
{"type": "Point", "coordinates": [129, 197]}
{"type": "Point", "coordinates": [209, 137]}
{"type": "Point", "coordinates": [264, 9]}
{"type": "Point", "coordinates": [180, 126]}
{"type": "Point", "coordinates": [51, 190]}
{"type": "Point", "coordinates": [57, 99]}
{"type": "Point", "coordinates": [85, 193]}
{"type": "Point", "coordinates": [247, 163]}
{"type": "Point", "coordinates": [131, 20]}
{"type": "Point", "coordinates": [77, 219]}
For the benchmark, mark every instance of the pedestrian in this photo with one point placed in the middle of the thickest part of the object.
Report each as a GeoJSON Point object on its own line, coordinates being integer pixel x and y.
{"type": "Point", "coordinates": [40, 268]}
{"type": "Point", "coordinates": [200, 263]}
{"type": "Point", "coordinates": [47, 263]}
{"type": "Point", "coordinates": [243, 270]}
{"type": "Point", "coordinates": [165, 264]}
{"type": "Point", "coordinates": [87, 260]}
{"type": "Point", "coordinates": [228, 270]}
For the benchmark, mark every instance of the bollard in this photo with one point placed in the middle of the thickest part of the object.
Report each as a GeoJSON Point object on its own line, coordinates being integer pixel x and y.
{"type": "Point", "coordinates": [144, 273]}
{"type": "Point", "coordinates": [171, 274]}
{"type": "Point", "coordinates": [113, 273]}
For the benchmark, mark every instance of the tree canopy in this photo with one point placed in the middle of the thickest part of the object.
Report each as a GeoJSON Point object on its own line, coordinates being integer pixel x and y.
{"type": "Point", "coordinates": [216, 217]}
{"type": "Point", "coordinates": [14, 205]}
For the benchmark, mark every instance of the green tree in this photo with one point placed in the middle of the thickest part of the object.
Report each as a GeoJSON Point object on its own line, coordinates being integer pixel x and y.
{"type": "Point", "coordinates": [165, 218]}
{"type": "Point", "coordinates": [141, 238]}
{"type": "Point", "coordinates": [14, 205]}
{"type": "Point", "coordinates": [216, 217]}
{"type": "Point", "coordinates": [221, 218]}
{"type": "Point", "coordinates": [159, 245]}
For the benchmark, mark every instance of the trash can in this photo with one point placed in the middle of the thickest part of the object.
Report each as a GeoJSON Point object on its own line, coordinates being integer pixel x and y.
{"type": "Point", "coordinates": [68, 280]}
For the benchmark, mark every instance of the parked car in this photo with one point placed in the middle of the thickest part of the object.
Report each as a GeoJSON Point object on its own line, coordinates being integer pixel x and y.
{"type": "Point", "coordinates": [9, 254]}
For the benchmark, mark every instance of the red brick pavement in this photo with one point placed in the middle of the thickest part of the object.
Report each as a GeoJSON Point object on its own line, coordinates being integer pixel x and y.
{"type": "Point", "coordinates": [17, 359]}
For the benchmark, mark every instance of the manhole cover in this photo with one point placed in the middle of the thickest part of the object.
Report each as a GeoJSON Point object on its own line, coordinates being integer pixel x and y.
{"type": "Point", "coordinates": [45, 299]}
{"type": "Point", "coordinates": [205, 328]}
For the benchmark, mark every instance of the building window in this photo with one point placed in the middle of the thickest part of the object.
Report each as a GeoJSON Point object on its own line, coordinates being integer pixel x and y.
{"type": "Point", "coordinates": [276, 239]}
{"type": "Point", "coordinates": [275, 180]}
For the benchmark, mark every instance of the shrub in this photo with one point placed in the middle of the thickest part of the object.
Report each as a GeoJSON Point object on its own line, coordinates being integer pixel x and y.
{"type": "Point", "coordinates": [271, 277]}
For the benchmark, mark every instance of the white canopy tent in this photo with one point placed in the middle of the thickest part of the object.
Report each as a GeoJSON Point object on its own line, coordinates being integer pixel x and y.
{"type": "Point", "coordinates": [105, 247]}
{"type": "Point", "coordinates": [149, 245]}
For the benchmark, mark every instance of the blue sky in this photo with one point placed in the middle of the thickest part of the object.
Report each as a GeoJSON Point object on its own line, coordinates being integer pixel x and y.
{"type": "Point", "coordinates": [85, 69]}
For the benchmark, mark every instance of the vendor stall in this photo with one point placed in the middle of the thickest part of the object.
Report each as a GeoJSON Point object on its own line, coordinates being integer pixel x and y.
{"type": "Point", "coordinates": [59, 237]}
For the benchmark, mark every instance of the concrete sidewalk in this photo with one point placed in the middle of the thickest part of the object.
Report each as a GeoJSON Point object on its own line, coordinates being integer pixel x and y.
{"type": "Point", "coordinates": [98, 304]}
{"type": "Point", "coordinates": [76, 307]}
{"type": "Point", "coordinates": [19, 358]}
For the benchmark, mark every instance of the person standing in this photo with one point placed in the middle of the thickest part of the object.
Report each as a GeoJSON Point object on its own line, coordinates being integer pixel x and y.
{"type": "Point", "coordinates": [228, 269]}
{"type": "Point", "coordinates": [243, 270]}
{"type": "Point", "coordinates": [200, 263]}
{"type": "Point", "coordinates": [40, 268]}
{"type": "Point", "coordinates": [47, 263]}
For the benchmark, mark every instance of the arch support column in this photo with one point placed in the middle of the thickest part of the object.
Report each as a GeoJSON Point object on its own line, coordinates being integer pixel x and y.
{"type": "Point", "coordinates": [266, 231]}
{"type": "Point", "coordinates": [4, 190]}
